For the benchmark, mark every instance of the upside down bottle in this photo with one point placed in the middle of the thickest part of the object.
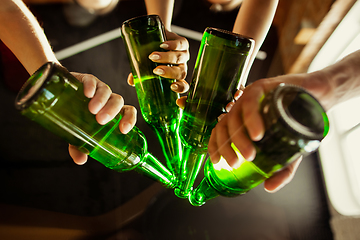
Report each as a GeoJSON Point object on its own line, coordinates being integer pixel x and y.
{"type": "Point", "coordinates": [295, 124]}
{"type": "Point", "coordinates": [55, 99]}
{"type": "Point", "coordinates": [217, 76]}
{"type": "Point", "coordinates": [142, 36]}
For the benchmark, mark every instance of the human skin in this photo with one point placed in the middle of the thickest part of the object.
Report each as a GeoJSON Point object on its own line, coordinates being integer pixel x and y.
{"type": "Point", "coordinates": [177, 55]}
{"type": "Point", "coordinates": [22, 34]}
{"type": "Point", "coordinates": [332, 85]}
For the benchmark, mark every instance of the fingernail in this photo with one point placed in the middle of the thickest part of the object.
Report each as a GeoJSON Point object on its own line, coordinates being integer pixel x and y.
{"type": "Point", "coordinates": [238, 94]}
{"type": "Point", "coordinates": [126, 127]}
{"type": "Point", "coordinates": [164, 45]}
{"type": "Point", "coordinates": [95, 107]}
{"type": "Point", "coordinates": [276, 189]}
{"type": "Point", "coordinates": [229, 106]}
{"type": "Point", "coordinates": [159, 71]}
{"type": "Point", "coordinates": [104, 118]}
{"type": "Point", "coordinates": [214, 161]}
{"type": "Point", "coordinates": [252, 156]}
{"type": "Point", "coordinates": [154, 57]}
{"type": "Point", "coordinates": [221, 117]}
{"type": "Point", "coordinates": [174, 87]}
{"type": "Point", "coordinates": [236, 164]}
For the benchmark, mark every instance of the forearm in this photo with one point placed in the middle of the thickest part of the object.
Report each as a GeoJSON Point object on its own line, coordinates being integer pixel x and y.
{"type": "Point", "coordinates": [163, 8]}
{"type": "Point", "coordinates": [22, 34]}
{"type": "Point", "coordinates": [254, 20]}
{"type": "Point", "coordinates": [338, 82]}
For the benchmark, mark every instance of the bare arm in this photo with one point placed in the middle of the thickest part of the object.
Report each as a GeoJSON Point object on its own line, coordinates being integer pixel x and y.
{"type": "Point", "coordinates": [22, 34]}
{"type": "Point", "coordinates": [254, 20]}
{"type": "Point", "coordinates": [163, 8]}
{"type": "Point", "coordinates": [337, 83]}
{"type": "Point", "coordinates": [332, 85]}
{"type": "Point", "coordinates": [177, 48]}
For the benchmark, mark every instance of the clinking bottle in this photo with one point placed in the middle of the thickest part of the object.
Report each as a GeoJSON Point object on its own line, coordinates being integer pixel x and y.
{"type": "Point", "coordinates": [142, 36]}
{"type": "Point", "coordinates": [55, 99]}
{"type": "Point", "coordinates": [295, 124]}
{"type": "Point", "coordinates": [218, 73]}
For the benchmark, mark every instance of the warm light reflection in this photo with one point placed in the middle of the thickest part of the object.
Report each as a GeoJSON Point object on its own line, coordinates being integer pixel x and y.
{"type": "Point", "coordinates": [222, 164]}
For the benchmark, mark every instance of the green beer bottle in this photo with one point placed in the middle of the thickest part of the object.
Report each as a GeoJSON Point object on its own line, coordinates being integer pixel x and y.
{"type": "Point", "coordinates": [55, 99]}
{"type": "Point", "coordinates": [142, 36]}
{"type": "Point", "coordinates": [217, 75]}
{"type": "Point", "coordinates": [295, 124]}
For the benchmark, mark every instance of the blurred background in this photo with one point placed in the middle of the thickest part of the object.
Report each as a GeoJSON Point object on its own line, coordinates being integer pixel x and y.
{"type": "Point", "coordinates": [44, 195]}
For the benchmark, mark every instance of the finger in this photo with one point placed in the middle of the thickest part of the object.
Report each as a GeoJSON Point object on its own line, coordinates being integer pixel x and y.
{"type": "Point", "coordinates": [172, 57]}
{"type": "Point", "coordinates": [223, 141]}
{"type": "Point", "coordinates": [254, 125]}
{"type": "Point", "coordinates": [212, 148]}
{"type": "Point", "coordinates": [229, 106]}
{"type": "Point", "coordinates": [130, 80]}
{"type": "Point", "coordinates": [128, 118]}
{"type": "Point", "coordinates": [175, 42]}
{"type": "Point", "coordinates": [283, 177]}
{"type": "Point", "coordinates": [238, 133]}
{"type": "Point", "coordinates": [244, 144]}
{"type": "Point", "coordinates": [110, 109]}
{"type": "Point", "coordinates": [251, 115]}
{"type": "Point", "coordinates": [180, 86]}
{"type": "Point", "coordinates": [221, 116]}
{"type": "Point", "coordinates": [181, 102]}
{"type": "Point", "coordinates": [89, 82]}
{"type": "Point", "coordinates": [100, 98]}
{"type": "Point", "coordinates": [239, 93]}
{"type": "Point", "coordinates": [79, 158]}
{"type": "Point", "coordinates": [172, 72]}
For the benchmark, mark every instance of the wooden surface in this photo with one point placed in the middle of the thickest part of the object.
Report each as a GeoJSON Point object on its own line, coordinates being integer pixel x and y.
{"type": "Point", "coordinates": [46, 1]}
{"type": "Point", "coordinates": [289, 20]}
{"type": "Point", "coordinates": [332, 19]}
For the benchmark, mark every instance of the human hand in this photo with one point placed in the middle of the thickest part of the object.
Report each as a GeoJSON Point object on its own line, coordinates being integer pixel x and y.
{"type": "Point", "coordinates": [243, 125]}
{"type": "Point", "coordinates": [105, 105]}
{"type": "Point", "coordinates": [177, 55]}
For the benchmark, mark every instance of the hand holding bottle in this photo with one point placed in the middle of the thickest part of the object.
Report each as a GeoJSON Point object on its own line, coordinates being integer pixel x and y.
{"type": "Point", "coordinates": [55, 99]}
{"type": "Point", "coordinates": [332, 85]}
{"type": "Point", "coordinates": [105, 105]}
{"type": "Point", "coordinates": [177, 55]}
{"type": "Point", "coordinates": [293, 125]}
{"type": "Point", "coordinates": [243, 124]}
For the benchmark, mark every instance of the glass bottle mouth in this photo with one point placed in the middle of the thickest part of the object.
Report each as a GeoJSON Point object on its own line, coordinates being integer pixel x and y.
{"type": "Point", "coordinates": [301, 112]}
{"type": "Point", "coordinates": [238, 39]}
{"type": "Point", "coordinates": [138, 23]}
{"type": "Point", "coordinates": [31, 90]}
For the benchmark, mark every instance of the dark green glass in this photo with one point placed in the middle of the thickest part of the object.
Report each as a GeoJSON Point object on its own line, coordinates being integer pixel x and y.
{"type": "Point", "coordinates": [217, 75]}
{"type": "Point", "coordinates": [55, 99]}
{"type": "Point", "coordinates": [142, 36]}
{"type": "Point", "coordinates": [295, 124]}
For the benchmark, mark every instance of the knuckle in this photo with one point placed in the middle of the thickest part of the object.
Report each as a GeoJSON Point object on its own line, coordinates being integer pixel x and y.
{"type": "Point", "coordinates": [129, 109]}
{"type": "Point", "coordinates": [183, 74]}
{"type": "Point", "coordinates": [118, 97]}
{"type": "Point", "coordinates": [178, 59]}
{"type": "Point", "coordinates": [133, 109]}
{"type": "Point", "coordinates": [211, 148]}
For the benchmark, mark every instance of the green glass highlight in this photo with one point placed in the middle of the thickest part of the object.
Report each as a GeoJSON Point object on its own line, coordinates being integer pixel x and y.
{"type": "Point", "coordinates": [55, 99]}
{"type": "Point", "coordinates": [295, 124]}
{"type": "Point", "coordinates": [217, 75]}
{"type": "Point", "coordinates": [142, 36]}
